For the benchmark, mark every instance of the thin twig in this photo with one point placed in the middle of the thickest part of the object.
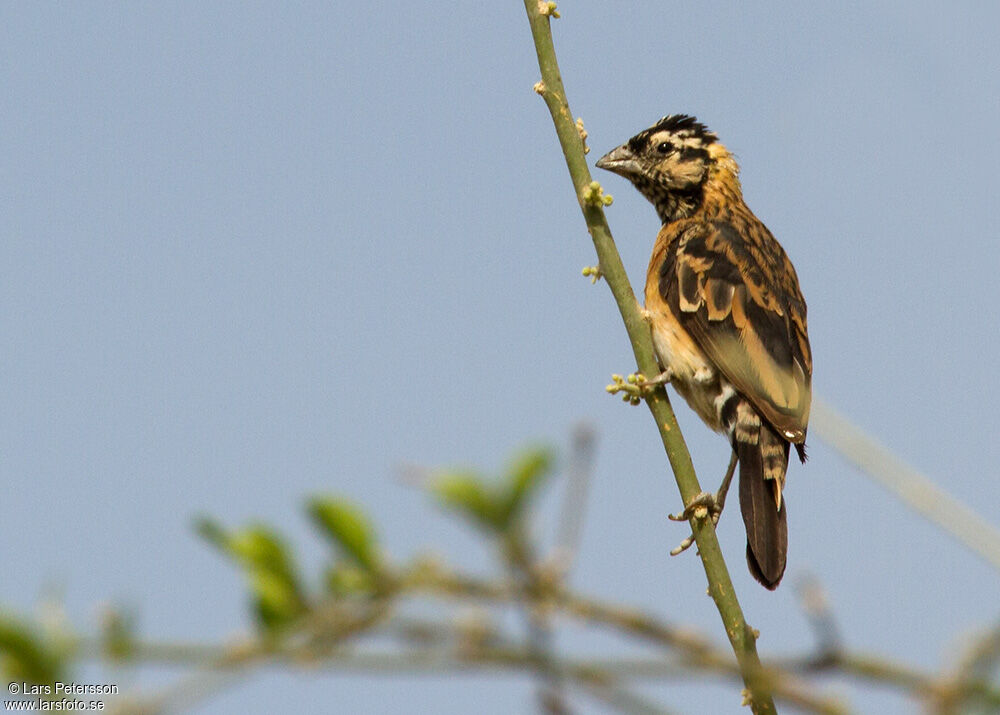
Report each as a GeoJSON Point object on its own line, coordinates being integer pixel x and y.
{"type": "Point", "coordinates": [620, 698]}
{"type": "Point", "coordinates": [816, 607]}
{"type": "Point", "coordinates": [522, 566]}
{"type": "Point", "coordinates": [695, 652]}
{"type": "Point", "coordinates": [441, 647]}
{"type": "Point", "coordinates": [698, 653]}
{"type": "Point", "coordinates": [720, 586]}
{"type": "Point", "coordinates": [578, 477]}
{"type": "Point", "coordinates": [912, 487]}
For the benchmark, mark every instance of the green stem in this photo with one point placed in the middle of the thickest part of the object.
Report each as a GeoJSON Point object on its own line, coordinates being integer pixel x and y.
{"type": "Point", "coordinates": [720, 586]}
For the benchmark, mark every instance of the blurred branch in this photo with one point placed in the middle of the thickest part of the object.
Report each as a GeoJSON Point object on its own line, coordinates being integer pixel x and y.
{"type": "Point", "coordinates": [578, 477]}
{"type": "Point", "coordinates": [351, 632]}
{"type": "Point", "coordinates": [523, 569]}
{"type": "Point", "coordinates": [602, 679]}
{"type": "Point", "coordinates": [699, 654]}
{"type": "Point", "coordinates": [816, 607]}
{"type": "Point", "coordinates": [912, 487]}
{"type": "Point", "coordinates": [982, 657]}
{"type": "Point", "coordinates": [979, 664]}
{"type": "Point", "coordinates": [720, 586]}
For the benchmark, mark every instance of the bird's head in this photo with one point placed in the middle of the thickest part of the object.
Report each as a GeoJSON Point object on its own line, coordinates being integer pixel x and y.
{"type": "Point", "coordinates": [670, 164]}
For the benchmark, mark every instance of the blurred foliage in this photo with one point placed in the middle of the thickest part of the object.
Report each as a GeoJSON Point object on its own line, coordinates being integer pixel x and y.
{"type": "Point", "coordinates": [27, 654]}
{"type": "Point", "coordinates": [276, 590]}
{"type": "Point", "coordinates": [359, 589]}
{"type": "Point", "coordinates": [498, 504]}
{"type": "Point", "coordinates": [118, 634]}
{"type": "Point", "coordinates": [348, 528]}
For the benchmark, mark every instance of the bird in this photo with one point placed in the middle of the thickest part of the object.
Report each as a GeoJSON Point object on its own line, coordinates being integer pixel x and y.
{"type": "Point", "coordinates": [728, 320]}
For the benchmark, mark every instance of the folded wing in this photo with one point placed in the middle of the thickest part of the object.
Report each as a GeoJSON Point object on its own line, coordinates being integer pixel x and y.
{"type": "Point", "coordinates": [737, 295]}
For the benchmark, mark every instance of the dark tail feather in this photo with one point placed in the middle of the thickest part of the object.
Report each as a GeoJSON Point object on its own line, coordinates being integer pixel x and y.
{"type": "Point", "coordinates": [767, 529]}
{"type": "Point", "coordinates": [801, 449]}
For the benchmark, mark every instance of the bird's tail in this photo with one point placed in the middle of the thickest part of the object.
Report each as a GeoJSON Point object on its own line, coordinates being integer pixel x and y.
{"type": "Point", "coordinates": [763, 457]}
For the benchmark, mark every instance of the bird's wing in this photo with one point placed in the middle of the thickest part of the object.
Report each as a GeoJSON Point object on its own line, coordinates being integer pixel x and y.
{"type": "Point", "coordinates": [737, 295]}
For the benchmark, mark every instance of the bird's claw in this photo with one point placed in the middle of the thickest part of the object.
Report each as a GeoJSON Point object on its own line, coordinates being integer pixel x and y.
{"type": "Point", "coordinates": [705, 505]}
{"type": "Point", "coordinates": [700, 507]}
{"type": "Point", "coordinates": [636, 386]}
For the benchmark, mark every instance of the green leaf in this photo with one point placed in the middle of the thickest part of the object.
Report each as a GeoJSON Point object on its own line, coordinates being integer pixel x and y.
{"type": "Point", "coordinates": [276, 601]}
{"type": "Point", "coordinates": [269, 567]}
{"type": "Point", "coordinates": [211, 531]}
{"type": "Point", "coordinates": [467, 493]}
{"type": "Point", "coordinates": [348, 527]}
{"type": "Point", "coordinates": [525, 474]}
{"type": "Point", "coordinates": [259, 547]}
{"type": "Point", "coordinates": [25, 654]}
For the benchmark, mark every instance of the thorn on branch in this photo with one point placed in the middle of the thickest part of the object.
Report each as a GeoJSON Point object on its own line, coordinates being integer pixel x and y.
{"type": "Point", "coordinates": [548, 9]}
{"type": "Point", "coordinates": [583, 134]}
{"type": "Point", "coordinates": [539, 87]}
{"type": "Point", "coordinates": [593, 195]}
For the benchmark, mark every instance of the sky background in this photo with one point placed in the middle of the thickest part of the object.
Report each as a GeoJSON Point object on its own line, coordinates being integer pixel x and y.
{"type": "Point", "coordinates": [254, 252]}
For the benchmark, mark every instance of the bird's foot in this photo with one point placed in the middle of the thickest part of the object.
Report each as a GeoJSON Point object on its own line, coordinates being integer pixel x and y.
{"type": "Point", "coordinates": [701, 507]}
{"type": "Point", "coordinates": [636, 386]}
{"type": "Point", "coordinates": [705, 505]}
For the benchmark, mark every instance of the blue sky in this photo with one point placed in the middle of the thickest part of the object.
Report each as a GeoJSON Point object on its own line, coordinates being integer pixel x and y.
{"type": "Point", "coordinates": [255, 252]}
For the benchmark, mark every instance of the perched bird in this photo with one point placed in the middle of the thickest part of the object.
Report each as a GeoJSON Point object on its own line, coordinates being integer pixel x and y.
{"type": "Point", "coordinates": [727, 316]}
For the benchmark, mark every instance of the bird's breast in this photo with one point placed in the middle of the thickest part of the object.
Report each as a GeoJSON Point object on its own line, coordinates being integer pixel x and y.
{"type": "Point", "coordinates": [675, 348]}
{"type": "Point", "coordinates": [693, 376]}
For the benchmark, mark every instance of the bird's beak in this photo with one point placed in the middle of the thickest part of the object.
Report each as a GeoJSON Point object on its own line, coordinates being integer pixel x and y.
{"type": "Point", "coordinates": [621, 161]}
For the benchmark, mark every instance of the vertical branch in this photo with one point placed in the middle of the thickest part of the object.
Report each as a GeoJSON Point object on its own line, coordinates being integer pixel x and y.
{"type": "Point", "coordinates": [578, 477]}
{"type": "Point", "coordinates": [816, 607]}
{"type": "Point", "coordinates": [524, 570]}
{"type": "Point", "coordinates": [720, 586]}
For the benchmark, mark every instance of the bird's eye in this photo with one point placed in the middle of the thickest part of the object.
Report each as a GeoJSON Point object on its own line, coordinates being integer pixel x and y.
{"type": "Point", "coordinates": [664, 147]}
